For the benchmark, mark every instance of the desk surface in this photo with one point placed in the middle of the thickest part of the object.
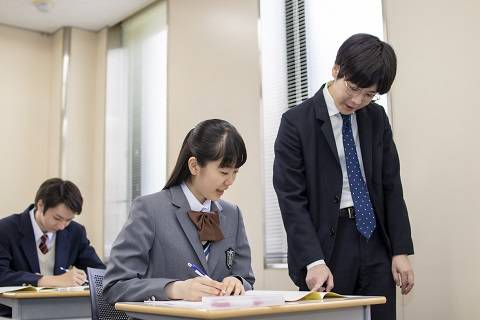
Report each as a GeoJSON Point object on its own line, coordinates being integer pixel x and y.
{"type": "Point", "coordinates": [44, 294]}
{"type": "Point", "coordinates": [289, 307]}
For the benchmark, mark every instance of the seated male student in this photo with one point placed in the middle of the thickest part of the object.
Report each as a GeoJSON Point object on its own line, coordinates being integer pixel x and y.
{"type": "Point", "coordinates": [43, 246]}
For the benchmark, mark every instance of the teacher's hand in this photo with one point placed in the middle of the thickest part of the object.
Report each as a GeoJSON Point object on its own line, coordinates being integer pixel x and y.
{"type": "Point", "coordinates": [319, 278]}
{"type": "Point", "coordinates": [403, 273]}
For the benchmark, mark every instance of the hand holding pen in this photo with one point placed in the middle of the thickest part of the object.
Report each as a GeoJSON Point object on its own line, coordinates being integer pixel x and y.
{"type": "Point", "coordinates": [195, 288]}
{"type": "Point", "coordinates": [232, 285]}
{"type": "Point", "coordinates": [77, 276]}
{"type": "Point", "coordinates": [71, 277]}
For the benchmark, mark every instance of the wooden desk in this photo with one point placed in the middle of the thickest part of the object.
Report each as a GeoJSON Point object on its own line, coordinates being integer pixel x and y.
{"type": "Point", "coordinates": [48, 305]}
{"type": "Point", "coordinates": [357, 308]}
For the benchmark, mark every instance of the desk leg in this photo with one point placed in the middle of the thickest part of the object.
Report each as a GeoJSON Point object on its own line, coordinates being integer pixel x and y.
{"type": "Point", "coordinates": [49, 308]}
{"type": "Point", "coordinates": [366, 312]}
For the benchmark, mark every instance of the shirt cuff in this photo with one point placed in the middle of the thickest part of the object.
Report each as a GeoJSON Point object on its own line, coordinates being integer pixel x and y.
{"type": "Point", "coordinates": [315, 263]}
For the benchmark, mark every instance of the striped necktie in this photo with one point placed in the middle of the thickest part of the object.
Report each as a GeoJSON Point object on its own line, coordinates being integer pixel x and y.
{"type": "Point", "coordinates": [206, 248]}
{"type": "Point", "coordinates": [43, 244]}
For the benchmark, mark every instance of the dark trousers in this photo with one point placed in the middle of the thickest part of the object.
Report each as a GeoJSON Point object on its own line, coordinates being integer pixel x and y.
{"type": "Point", "coordinates": [363, 267]}
{"type": "Point", "coordinates": [5, 311]}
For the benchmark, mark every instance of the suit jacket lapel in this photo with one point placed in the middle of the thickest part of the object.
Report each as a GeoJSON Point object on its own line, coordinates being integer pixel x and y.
{"type": "Point", "coordinates": [365, 135]}
{"type": "Point", "coordinates": [62, 247]}
{"type": "Point", "coordinates": [28, 244]}
{"type": "Point", "coordinates": [180, 202]}
{"type": "Point", "coordinates": [216, 255]}
{"type": "Point", "coordinates": [321, 113]}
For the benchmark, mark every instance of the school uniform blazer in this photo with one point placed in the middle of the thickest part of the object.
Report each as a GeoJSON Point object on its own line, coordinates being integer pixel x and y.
{"type": "Point", "coordinates": [307, 178]}
{"type": "Point", "coordinates": [159, 239]}
{"type": "Point", "coordinates": [18, 252]}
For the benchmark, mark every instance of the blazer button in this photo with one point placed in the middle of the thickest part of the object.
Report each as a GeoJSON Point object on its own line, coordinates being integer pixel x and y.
{"type": "Point", "coordinates": [332, 232]}
{"type": "Point", "coordinates": [336, 199]}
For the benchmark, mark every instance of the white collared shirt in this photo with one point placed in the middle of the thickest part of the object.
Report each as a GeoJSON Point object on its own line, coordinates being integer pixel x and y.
{"type": "Point", "coordinates": [337, 123]}
{"type": "Point", "coordinates": [38, 233]}
{"type": "Point", "coordinates": [195, 205]}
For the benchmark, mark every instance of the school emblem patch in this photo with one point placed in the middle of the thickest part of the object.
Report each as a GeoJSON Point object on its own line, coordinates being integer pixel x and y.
{"type": "Point", "coordinates": [229, 255]}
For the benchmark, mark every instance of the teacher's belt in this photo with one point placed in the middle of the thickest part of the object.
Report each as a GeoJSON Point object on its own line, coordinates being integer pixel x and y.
{"type": "Point", "coordinates": [348, 212]}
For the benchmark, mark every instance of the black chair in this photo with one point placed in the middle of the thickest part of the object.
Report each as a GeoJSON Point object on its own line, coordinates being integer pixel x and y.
{"type": "Point", "coordinates": [101, 310]}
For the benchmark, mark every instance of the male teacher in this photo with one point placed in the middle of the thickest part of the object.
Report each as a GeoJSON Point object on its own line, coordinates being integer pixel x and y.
{"type": "Point", "coordinates": [337, 177]}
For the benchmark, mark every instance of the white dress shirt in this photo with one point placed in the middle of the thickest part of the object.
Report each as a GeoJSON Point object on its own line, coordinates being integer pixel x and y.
{"type": "Point", "coordinates": [337, 123]}
{"type": "Point", "coordinates": [46, 261]}
{"type": "Point", "coordinates": [195, 205]}
{"type": "Point", "coordinates": [38, 233]}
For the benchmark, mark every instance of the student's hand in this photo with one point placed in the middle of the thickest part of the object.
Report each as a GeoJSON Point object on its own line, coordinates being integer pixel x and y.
{"type": "Point", "coordinates": [194, 289]}
{"type": "Point", "coordinates": [78, 275]}
{"type": "Point", "coordinates": [72, 278]}
{"type": "Point", "coordinates": [402, 273]}
{"type": "Point", "coordinates": [233, 286]}
{"type": "Point", "coordinates": [319, 276]}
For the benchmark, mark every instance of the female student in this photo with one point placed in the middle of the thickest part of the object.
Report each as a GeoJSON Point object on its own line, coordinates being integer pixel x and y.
{"type": "Point", "coordinates": [186, 224]}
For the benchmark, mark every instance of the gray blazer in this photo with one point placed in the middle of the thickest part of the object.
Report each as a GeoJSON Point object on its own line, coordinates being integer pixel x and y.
{"type": "Point", "coordinates": [157, 242]}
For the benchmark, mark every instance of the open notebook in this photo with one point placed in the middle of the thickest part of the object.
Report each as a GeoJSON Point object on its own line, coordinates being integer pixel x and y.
{"type": "Point", "coordinates": [41, 289]}
{"type": "Point", "coordinates": [255, 298]}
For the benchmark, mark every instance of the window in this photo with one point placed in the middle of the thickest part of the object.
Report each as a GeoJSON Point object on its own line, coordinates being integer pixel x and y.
{"type": "Point", "coordinates": [136, 116]}
{"type": "Point", "coordinates": [299, 42]}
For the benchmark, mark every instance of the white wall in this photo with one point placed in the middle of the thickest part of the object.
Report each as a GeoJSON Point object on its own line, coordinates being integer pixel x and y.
{"type": "Point", "coordinates": [25, 85]}
{"type": "Point", "coordinates": [30, 135]}
{"type": "Point", "coordinates": [435, 113]}
{"type": "Point", "coordinates": [84, 134]}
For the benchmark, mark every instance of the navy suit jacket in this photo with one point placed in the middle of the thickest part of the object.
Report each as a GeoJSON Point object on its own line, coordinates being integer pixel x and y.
{"type": "Point", "coordinates": [18, 253]}
{"type": "Point", "coordinates": [308, 181]}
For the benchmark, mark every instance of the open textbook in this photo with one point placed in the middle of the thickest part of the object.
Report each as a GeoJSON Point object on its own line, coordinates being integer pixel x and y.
{"type": "Point", "coordinates": [253, 298]}
{"type": "Point", "coordinates": [41, 289]}
{"type": "Point", "coordinates": [291, 296]}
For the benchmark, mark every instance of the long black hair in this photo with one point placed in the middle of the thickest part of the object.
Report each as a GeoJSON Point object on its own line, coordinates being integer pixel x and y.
{"type": "Point", "coordinates": [210, 140]}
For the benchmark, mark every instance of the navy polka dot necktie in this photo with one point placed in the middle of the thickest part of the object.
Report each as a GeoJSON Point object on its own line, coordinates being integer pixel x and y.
{"type": "Point", "coordinates": [364, 215]}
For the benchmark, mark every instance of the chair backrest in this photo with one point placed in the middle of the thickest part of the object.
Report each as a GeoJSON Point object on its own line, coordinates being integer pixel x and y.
{"type": "Point", "coordinates": [101, 310]}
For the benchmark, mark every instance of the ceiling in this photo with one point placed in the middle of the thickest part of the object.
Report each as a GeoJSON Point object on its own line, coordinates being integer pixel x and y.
{"type": "Point", "coordinates": [91, 15]}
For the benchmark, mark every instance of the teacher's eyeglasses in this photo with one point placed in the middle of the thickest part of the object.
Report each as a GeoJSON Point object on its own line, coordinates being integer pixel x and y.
{"type": "Point", "coordinates": [354, 91]}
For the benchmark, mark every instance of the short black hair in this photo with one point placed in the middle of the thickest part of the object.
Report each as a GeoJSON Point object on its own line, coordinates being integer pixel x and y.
{"type": "Point", "coordinates": [365, 61]}
{"type": "Point", "coordinates": [210, 140]}
{"type": "Point", "coordinates": [56, 191]}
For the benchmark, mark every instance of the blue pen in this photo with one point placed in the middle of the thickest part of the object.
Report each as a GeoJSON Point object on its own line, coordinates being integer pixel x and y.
{"type": "Point", "coordinates": [197, 270]}
{"type": "Point", "coordinates": [201, 273]}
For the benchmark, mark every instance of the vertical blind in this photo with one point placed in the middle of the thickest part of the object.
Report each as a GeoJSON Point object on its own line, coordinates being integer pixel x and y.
{"type": "Point", "coordinates": [296, 47]}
